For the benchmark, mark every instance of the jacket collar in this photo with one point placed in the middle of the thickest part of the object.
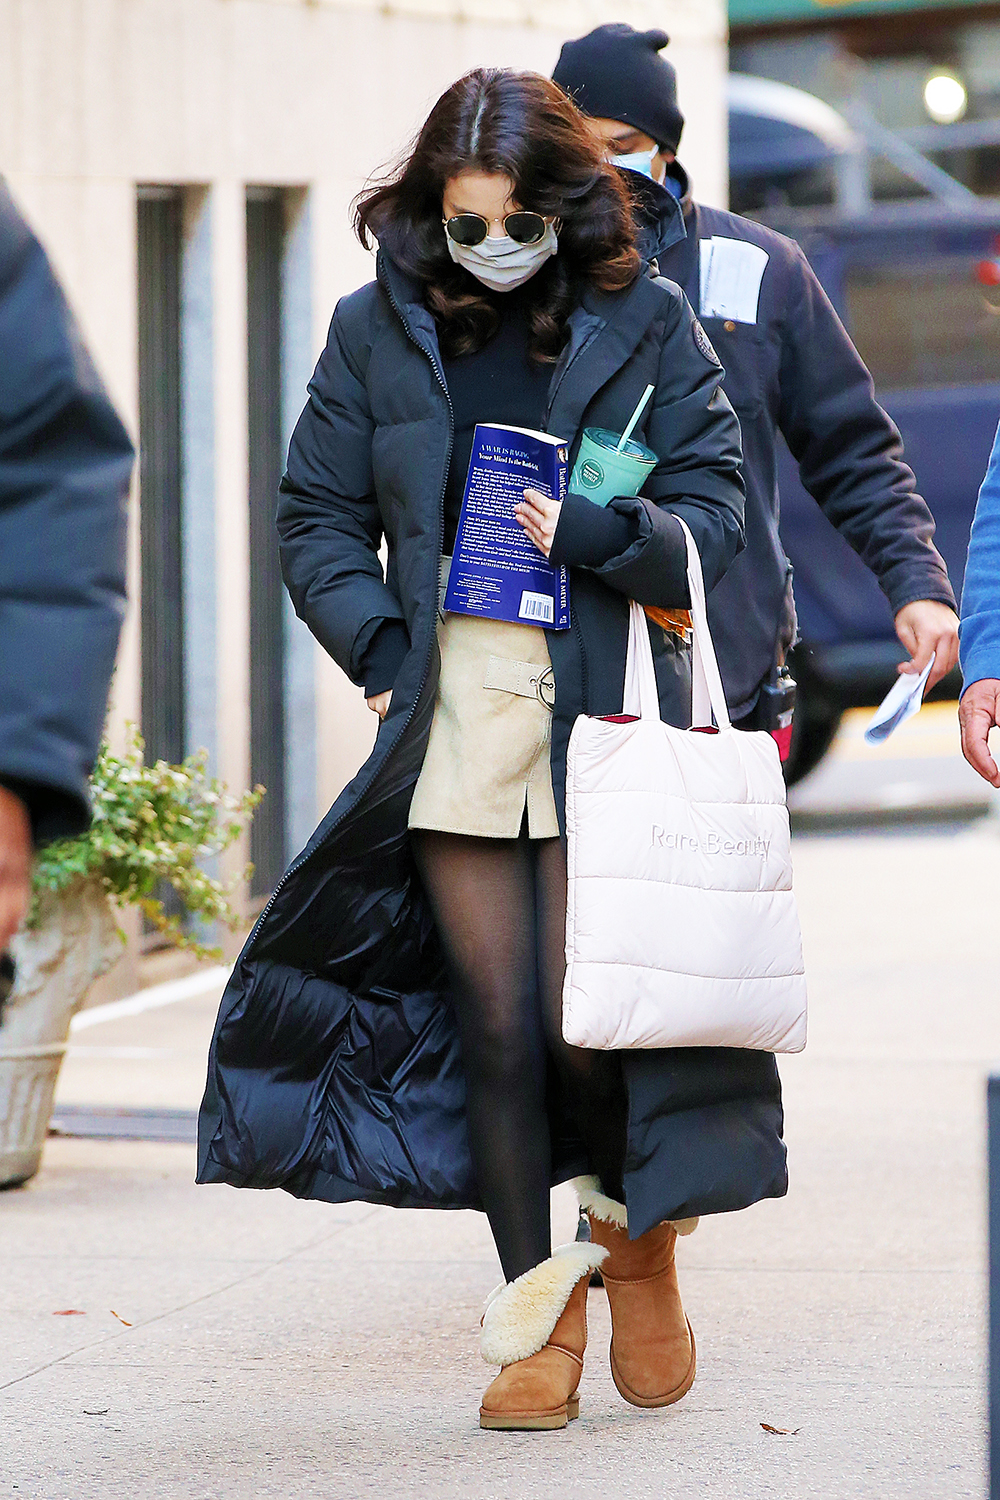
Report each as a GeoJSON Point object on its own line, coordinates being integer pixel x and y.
{"type": "Point", "coordinates": [404, 294]}
{"type": "Point", "coordinates": [614, 320]}
{"type": "Point", "coordinates": [605, 329]}
{"type": "Point", "coordinates": [681, 189]}
{"type": "Point", "coordinates": [659, 214]}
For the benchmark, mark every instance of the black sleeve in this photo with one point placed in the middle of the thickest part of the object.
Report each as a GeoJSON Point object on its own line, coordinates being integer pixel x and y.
{"type": "Point", "coordinates": [589, 535]}
{"type": "Point", "coordinates": [328, 519]}
{"type": "Point", "coordinates": [849, 452]}
{"type": "Point", "coordinates": [53, 814]}
{"type": "Point", "coordinates": [698, 479]}
{"type": "Point", "coordinates": [65, 462]}
{"type": "Point", "coordinates": [382, 657]}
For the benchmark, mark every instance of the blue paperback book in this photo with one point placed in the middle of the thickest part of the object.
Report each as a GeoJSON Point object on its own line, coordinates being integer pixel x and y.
{"type": "Point", "coordinates": [496, 570]}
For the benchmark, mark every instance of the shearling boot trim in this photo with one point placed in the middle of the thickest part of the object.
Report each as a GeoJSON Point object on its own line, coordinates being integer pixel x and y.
{"type": "Point", "coordinates": [593, 1201]}
{"type": "Point", "coordinates": [521, 1314]}
{"type": "Point", "coordinates": [600, 1206]}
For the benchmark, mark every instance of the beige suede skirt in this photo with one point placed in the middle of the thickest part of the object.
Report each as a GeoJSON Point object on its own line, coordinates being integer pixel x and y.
{"type": "Point", "coordinates": [487, 760]}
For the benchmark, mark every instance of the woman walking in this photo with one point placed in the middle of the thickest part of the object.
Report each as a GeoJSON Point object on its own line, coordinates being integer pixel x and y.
{"type": "Point", "coordinates": [392, 1030]}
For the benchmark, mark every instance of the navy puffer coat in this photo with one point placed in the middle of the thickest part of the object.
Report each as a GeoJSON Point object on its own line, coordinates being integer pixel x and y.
{"type": "Point", "coordinates": [65, 462]}
{"type": "Point", "coordinates": [335, 1070]}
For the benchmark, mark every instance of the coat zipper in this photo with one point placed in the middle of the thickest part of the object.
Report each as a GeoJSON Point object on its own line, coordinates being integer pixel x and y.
{"type": "Point", "coordinates": [584, 671]}
{"type": "Point", "coordinates": [558, 379]}
{"type": "Point", "coordinates": [296, 865]}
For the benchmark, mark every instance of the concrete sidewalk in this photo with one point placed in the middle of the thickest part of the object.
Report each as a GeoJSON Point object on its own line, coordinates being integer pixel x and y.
{"type": "Point", "coordinates": [282, 1349]}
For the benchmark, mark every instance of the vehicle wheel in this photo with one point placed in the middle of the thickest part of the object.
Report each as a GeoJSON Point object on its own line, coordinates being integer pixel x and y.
{"type": "Point", "coordinates": [813, 731]}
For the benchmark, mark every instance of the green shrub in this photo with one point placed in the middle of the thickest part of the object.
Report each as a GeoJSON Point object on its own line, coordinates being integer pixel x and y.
{"type": "Point", "coordinates": [152, 824]}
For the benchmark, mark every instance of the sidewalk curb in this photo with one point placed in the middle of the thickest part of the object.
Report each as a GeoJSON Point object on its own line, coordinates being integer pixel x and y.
{"type": "Point", "coordinates": [191, 987]}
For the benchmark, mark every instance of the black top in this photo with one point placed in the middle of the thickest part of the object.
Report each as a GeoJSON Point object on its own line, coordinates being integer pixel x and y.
{"type": "Point", "coordinates": [500, 383]}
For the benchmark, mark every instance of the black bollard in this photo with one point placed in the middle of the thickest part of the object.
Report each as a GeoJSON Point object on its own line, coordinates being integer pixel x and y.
{"type": "Point", "coordinates": [993, 1147]}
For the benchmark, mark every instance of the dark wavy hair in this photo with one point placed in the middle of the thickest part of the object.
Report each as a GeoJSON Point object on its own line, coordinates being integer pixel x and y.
{"type": "Point", "coordinates": [523, 126]}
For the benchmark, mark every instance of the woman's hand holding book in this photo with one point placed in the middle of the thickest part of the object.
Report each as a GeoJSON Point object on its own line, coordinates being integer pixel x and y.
{"type": "Point", "coordinates": [539, 516]}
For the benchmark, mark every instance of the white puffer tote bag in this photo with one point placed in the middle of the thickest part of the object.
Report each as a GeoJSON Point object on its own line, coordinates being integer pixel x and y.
{"type": "Point", "coordinates": [681, 926]}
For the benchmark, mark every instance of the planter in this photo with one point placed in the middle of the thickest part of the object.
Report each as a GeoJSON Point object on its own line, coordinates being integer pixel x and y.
{"type": "Point", "coordinates": [75, 942]}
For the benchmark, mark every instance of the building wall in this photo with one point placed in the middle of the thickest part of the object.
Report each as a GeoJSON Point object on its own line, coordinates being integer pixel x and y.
{"type": "Point", "coordinates": [97, 96]}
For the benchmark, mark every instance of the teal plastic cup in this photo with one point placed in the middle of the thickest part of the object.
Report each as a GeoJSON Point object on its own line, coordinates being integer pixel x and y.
{"type": "Point", "coordinates": [601, 472]}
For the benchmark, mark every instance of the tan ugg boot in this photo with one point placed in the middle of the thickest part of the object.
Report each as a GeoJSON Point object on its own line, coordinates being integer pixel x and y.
{"type": "Point", "coordinates": [536, 1329]}
{"type": "Point", "coordinates": [652, 1346]}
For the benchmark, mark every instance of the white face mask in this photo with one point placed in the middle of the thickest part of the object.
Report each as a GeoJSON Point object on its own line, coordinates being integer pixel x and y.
{"type": "Point", "coordinates": [502, 263]}
{"type": "Point", "coordinates": [638, 161]}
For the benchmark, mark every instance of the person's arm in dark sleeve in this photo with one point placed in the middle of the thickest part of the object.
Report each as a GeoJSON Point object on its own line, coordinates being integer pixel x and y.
{"type": "Point", "coordinates": [65, 462]}
{"type": "Point", "coordinates": [589, 535]}
{"type": "Point", "coordinates": [848, 450]}
{"type": "Point", "coordinates": [381, 659]}
{"type": "Point", "coordinates": [692, 425]}
{"type": "Point", "coordinates": [328, 519]}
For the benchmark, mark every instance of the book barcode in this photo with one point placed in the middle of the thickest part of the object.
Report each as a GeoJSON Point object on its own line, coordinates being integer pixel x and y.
{"type": "Point", "coordinates": [536, 607]}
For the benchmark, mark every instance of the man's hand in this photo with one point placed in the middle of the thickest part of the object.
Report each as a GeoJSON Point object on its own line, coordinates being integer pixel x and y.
{"type": "Point", "coordinates": [978, 712]}
{"type": "Point", "coordinates": [380, 703]}
{"type": "Point", "coordinates": [539, 516]}
{"type": "Point", "coordinates": [927, 626]}
{"type": "Point", "coordinates": [15, 864]}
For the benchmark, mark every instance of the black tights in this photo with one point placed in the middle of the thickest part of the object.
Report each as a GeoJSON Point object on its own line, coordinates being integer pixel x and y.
{"type": "Point", "coordinates": [500, 906]}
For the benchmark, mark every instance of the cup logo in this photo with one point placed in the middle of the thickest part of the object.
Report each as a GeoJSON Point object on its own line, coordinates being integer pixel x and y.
{"type": "Point", "coordinates": [592, 474]}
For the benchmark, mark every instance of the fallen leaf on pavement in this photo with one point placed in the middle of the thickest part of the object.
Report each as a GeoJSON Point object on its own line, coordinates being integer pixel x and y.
{"type": "Point", "coordinates": [119, 1317]}
{"type": "Point", "coordinates": [70, 1312]}
{"type": "Point", "coordinates": [781, 1431]}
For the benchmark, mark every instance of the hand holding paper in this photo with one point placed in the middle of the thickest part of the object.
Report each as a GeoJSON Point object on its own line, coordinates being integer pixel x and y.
{"type": "Point", "coordinates": [900, 703]}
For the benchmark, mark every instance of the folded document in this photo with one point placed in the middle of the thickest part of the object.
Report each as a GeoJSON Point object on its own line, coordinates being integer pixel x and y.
{"type": "Point", "coordinates": [900, 703]}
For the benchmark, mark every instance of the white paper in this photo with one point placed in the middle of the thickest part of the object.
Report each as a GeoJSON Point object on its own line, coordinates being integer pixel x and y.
{"type": "Point", "coordinates": [900, 703]}
{"type": "Point", "coordinates": [731, 272]}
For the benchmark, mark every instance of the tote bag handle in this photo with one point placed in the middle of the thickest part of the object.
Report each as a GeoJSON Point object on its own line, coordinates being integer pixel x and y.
{"type": "Point", "coordinates": [707, 694]}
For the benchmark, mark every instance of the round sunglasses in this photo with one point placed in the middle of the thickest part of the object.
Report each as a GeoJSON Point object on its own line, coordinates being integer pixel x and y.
{"type": "Point", "coordinates": [472, 229]}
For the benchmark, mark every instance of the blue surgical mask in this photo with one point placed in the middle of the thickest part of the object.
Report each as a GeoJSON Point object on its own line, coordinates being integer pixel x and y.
{"type": "Point", "coordinates": [637, 161]}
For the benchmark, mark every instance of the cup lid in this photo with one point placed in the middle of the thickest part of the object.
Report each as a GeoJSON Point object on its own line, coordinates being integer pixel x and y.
{"type": "Point", "coordinates": [605, 438]}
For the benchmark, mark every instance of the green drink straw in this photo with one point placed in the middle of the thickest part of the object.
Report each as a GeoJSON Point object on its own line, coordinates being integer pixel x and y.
{"type": "Point", "coordinates": [635, 417]}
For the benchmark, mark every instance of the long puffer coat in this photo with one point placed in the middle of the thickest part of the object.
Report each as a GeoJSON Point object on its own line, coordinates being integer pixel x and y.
{"type": "Point", "coordinates": [335, 1070]}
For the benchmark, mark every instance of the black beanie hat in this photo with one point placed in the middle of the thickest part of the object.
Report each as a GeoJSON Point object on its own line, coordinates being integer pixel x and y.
{"type": "Point", "coordinates": [617, 73]}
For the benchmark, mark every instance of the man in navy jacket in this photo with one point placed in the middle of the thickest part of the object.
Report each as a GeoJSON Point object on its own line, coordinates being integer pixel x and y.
{"type": "Point", "coordinates": [790, 368]}
{"type": "Point", "coordinates": [65, 461]}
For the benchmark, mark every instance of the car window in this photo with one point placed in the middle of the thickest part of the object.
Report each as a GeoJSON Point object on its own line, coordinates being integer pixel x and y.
{"type": "Point", "coordinates": [932, 325]}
